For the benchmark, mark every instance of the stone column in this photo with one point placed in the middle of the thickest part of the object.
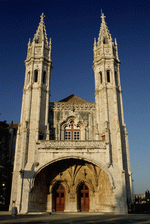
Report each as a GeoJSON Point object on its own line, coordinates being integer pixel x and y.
{"type": "Point", "coordinates": [49, 202]}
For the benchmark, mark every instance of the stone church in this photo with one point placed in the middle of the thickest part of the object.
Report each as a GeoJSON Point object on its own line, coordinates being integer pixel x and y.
{"type": "Point", "coordinates": [72, 155]}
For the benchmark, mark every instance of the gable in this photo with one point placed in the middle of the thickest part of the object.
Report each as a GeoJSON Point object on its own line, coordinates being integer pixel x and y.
{"type": "Point", "coordinates": [73, 99]}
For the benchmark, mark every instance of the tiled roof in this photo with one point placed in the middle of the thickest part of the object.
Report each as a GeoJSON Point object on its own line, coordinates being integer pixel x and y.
{"type": "Point", "coordinates": [73, 99]}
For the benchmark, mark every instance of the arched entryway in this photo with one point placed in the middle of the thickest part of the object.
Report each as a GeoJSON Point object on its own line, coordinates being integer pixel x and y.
{"type": "Point", "coordinates": [80, 180]}
{"type": "Point", "coordinates": [83, 198]}
{"type": "Point", "coordinates": [59, 197]}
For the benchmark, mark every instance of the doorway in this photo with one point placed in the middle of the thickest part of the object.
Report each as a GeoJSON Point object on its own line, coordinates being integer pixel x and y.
{"type": "Point", "coordinates": [60, 198]}
{"type": "Point", "coordinates": [83, 198]}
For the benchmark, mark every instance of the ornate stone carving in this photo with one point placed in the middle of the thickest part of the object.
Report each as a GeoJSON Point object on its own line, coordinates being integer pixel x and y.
{"type": "Point", "coordinates": [70, 106]}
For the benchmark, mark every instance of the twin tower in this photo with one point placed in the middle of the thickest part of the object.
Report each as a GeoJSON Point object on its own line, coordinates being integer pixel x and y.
{"type": "Point", "coordinates": [72, 155]}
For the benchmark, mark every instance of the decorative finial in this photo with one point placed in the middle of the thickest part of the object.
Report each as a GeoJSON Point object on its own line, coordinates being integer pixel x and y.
{"type": "Point", "coordinates": [42, 17]}
{"type": "Point", "coordinates": [50, 42]}
{"type": "Point", "coordinates": [29, 43]}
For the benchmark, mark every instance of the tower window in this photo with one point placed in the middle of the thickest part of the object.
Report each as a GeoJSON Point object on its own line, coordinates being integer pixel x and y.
{"type": "Point", "coordinates": [101, 80]}
{"type": "Point", "coordinates": [105, 40]}
{"type": "Point", "coordinates": [108, 76]}
{"type": "Point", "coordinates": [44, 77]}
{"type": "Point", "coordinates": [116, 79]}
{"type": "Point", "coordinates": [35, 75]}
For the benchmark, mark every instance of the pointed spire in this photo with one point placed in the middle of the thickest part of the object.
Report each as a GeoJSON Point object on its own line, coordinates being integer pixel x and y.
{"type": "Point", "coordinates": [41, 32]}
{"type": "Point", "coordinates": [29, 43]}
{"type": "Point", "coordinates": [11, 126]}
{"type": "Point", "coordinates": [104, 32]}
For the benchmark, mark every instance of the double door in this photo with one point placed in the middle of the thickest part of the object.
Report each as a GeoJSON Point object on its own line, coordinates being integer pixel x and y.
{"type": "Point", "coordinates": [83, 198]}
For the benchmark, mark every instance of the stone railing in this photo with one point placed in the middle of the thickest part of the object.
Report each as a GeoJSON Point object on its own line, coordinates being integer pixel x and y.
{"type": "Point", "coordinates": [54, 144]}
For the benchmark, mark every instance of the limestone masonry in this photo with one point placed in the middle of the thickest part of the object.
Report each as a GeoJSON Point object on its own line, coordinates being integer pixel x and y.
{"type": "Point", "coordinates": [72, 155]}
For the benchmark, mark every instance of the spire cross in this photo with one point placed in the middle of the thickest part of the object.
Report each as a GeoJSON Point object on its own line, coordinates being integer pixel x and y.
{"type": "Point", "coordinates": [42, 17]}
{"type": "Point", "coordinates": [103, 17]}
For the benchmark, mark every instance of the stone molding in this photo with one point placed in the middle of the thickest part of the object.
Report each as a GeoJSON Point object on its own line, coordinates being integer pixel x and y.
{"type": "Point", "coordinates": [62, 144]}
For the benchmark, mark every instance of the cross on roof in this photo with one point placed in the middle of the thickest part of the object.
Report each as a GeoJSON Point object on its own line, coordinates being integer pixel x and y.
{"type": "Point", "coordinates": [42, 17]}
{"type": "Point", "coordinates": [103, 17]}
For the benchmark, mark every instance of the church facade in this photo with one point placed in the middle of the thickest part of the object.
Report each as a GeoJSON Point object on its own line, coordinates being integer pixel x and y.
{"type": "Point", "coordinates": [72, 155]}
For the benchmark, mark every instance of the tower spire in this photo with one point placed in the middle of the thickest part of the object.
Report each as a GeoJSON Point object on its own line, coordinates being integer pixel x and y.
{"type": "Point", "coordinates": [104, 32]}
{"type": "Point", "coordinates": [41, 34]}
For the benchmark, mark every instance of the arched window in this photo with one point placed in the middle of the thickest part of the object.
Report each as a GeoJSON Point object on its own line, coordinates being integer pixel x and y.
{"type": "Point", "coordinates": [35, 75]}
{"type": "Point", "coordinates": [44, 77]}
{"type": "Point", "coordinates": [108, 76]}
{"type": "Point", "coordinates": [101, 79]}
{"type": "Point", "coordinates": [116, 78]}
{"type": "Point", "coordinates": [105, 40]}
{"type": "Point", "coordinates": [72, 132]}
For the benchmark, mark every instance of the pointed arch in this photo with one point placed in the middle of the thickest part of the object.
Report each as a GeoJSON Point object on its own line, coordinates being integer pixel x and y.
{"type": "Point", "coordinates": [100, 165]}
{"type": "Point", "coordinates": [87, 182]}
{"type": "Point", "coordinates": [57, 182]}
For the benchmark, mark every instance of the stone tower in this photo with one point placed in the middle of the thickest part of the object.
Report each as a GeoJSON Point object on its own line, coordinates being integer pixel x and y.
{"type": "Point", "coordinates": [35, 105]}
{"type": "Point", "coordinates": [72, 155]}
{"type": "Point", "coordinates": [109, 107]}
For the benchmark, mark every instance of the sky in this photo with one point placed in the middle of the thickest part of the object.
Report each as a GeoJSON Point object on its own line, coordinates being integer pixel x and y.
{"type": "Point", "coordinates": [73, 25]}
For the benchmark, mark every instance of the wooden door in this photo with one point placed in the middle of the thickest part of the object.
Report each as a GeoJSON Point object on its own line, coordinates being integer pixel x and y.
{"type": "Point", "coordinates": [84, 198]}
{"type": "Point", "coordinates": [60, 198]}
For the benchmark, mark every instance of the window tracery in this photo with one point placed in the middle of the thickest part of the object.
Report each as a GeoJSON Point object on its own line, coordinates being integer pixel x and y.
{"type": "Point", "coordinates": [72, 131]}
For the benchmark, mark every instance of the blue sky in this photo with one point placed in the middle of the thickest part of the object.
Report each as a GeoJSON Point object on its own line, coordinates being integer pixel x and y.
{"type": "Point", "coordinates": [72, 25]}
